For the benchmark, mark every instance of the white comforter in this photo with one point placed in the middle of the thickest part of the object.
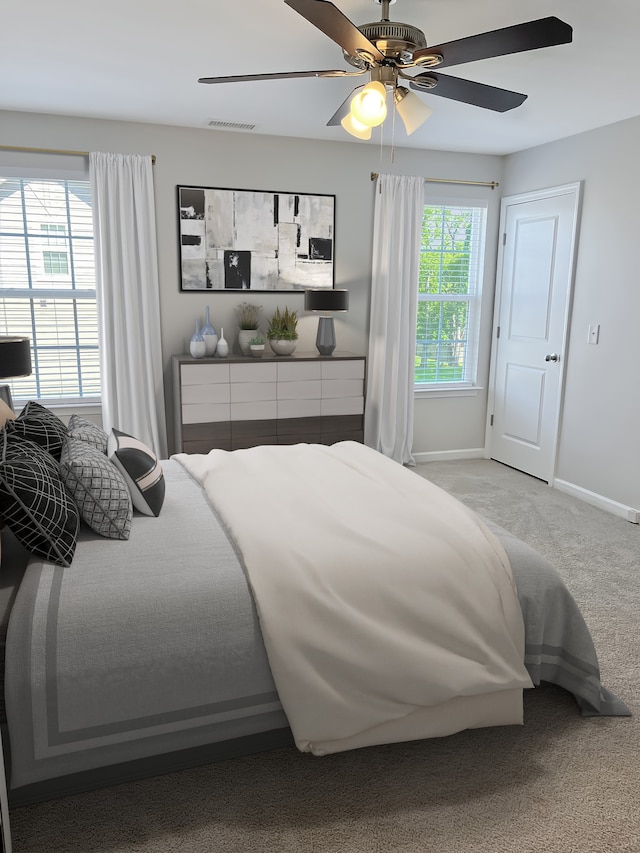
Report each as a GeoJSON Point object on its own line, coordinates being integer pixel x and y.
{"type": "Point", "coordinates": [388, 609]}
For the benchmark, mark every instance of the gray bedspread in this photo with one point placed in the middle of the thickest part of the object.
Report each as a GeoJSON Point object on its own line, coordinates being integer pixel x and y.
{"type": "Point", "coordinates": [558, 645]}
{"type": "Point", "coordinates": [153, 646]}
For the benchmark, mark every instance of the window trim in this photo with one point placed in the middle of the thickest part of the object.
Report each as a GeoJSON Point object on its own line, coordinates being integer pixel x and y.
{"type": "Point", "coordinates": [76, 172]}
{"type": "Point", "coordinates": [469, 386]}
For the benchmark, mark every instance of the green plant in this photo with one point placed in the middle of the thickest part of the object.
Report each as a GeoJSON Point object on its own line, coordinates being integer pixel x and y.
{"type": "Point", "coordinates": [283, 325]}
{"type": "Point", "coordinates": [256, 342]}
{"type": "Point", "coordinates": [248, 315]}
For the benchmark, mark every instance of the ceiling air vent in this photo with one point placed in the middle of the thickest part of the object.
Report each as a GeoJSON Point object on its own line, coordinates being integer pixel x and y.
{"type": "Point", "coordinates": [229, 125]}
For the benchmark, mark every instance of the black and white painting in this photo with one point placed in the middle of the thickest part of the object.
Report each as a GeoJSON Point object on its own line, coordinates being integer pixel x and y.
{"type": "Point", "coordinates": [255, 240]}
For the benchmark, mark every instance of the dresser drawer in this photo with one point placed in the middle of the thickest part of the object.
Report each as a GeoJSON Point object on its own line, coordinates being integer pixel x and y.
{"type": "Point", "coordinates": [300, 371]}
{"type": "Point", "coordinates": [309, 390]}
{"type": "Point", "coordinates": [254, 411]}
{"type": "Point", "coordinates": [197, 395]}
{"type": "Point", "coordinates": [200, 438]}
{"type": "Point", "coordinates": [206, 413]}
{"type": "Point", "coordinates": [346, 369]}
{"type": "Point", "coordinates": [253, 372]}
{"type": "Point", "coordinates": [342, 406]}
{"type": "Point", "coordinates": [341, 388]}
{"type": "Point", "coordinates": [252, 392]}
{"type": "Point", "coordinates": [298, 408]}
{"type": "Point", "coordinates": [204, 374]}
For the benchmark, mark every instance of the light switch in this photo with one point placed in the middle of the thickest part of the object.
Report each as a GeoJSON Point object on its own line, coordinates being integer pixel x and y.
{"type": "Point", "coordinates": [594, 333]}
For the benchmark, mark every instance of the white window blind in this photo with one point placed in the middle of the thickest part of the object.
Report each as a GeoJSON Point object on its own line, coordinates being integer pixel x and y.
{"type": "Point", "coordinates": [47, 286]}
{"type": "Point", "coordinates": [451, 263]}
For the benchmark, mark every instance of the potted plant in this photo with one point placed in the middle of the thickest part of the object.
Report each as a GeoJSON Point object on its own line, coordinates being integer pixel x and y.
{"type": "Point", "coordinates": [248, 320]}
{"type": "Point", "coordinates": [282, 331]}
{"type": "Point", "coordinates": [256, 346]}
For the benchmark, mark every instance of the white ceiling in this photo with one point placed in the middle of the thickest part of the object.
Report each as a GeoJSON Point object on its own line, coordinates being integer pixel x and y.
{"type": "Point", "coordinates": [139, 60]}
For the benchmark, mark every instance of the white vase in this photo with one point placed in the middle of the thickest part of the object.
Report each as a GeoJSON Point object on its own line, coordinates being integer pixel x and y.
{"type": "Point", "coordinates": [282, 347]}
{"type": "Point", "coordinates": [244, 336]}
{"type": "Point", "coordinates": [197, 346]}
{"type": "Point", "coordinates": [223, 346]}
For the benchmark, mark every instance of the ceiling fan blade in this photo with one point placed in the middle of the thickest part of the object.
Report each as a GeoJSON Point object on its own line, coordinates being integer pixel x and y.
{"type": "Point", "coordinates": [544, 32]}
{"type": "Point", "coordinates": [467, 91]}
{"type": "Point", "coordinates": [284, 75]}
{"type": "Point", "coordinates": [328, 18]}
{"type": "Point", "coordinates": [343, 109]}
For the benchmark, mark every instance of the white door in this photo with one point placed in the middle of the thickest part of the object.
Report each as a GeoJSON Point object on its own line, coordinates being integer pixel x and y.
{"type": "Point", "coordinates": [533, 302]}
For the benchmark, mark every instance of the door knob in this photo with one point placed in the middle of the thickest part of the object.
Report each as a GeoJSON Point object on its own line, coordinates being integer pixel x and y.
{"type": "Point", "coordinates": [552, 357]}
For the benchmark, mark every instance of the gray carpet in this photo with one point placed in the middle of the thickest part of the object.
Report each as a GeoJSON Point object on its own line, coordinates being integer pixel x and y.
{"type": "Point", "coordinates": [559, 784]}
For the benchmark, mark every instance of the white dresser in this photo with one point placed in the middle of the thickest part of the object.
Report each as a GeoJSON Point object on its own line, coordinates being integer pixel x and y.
{"type": "Point", "coordinates": [240, 402]}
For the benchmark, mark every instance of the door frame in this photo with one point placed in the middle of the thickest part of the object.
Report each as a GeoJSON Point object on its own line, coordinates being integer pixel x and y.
{"type": "Point", "coordinates": [574, 188]}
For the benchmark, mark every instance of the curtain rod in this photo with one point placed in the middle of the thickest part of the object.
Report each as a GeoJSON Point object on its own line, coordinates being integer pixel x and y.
{"type": "Point", "coordinates": [492, 184]}
{"type": "Point", "coordinates": [54, 151]}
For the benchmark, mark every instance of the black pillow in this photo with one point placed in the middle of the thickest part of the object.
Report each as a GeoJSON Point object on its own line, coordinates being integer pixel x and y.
{"type": "Point", "coordinates": [38, 424]}
{"type": "Point", "coordinates": [34, 502]}
{"type": "Point", "coordinates": [141, 470]}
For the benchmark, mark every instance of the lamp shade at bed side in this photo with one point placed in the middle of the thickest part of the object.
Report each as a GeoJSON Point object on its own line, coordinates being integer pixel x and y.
{"type": "Point", "coordinates": [15, 360]}
{"type": "Point", "coordinates": [326, 302]}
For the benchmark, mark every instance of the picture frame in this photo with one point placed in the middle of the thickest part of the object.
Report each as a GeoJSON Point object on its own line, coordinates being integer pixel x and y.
{"type": "Point", "coordinates": [235, 240]}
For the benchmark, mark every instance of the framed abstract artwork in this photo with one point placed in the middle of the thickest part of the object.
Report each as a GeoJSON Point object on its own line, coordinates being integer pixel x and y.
{"type": "Point", "coordinates": [233, 240]}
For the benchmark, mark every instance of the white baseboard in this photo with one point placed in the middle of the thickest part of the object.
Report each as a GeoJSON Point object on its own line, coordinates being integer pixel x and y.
{"type": "Point", "coordinates": [621, 510]}
{"type": "Point", "coordinates": [446, 455]}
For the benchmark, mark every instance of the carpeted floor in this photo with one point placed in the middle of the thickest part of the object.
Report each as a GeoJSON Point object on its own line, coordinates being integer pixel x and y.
{"type": "Point", "coordinates": [559, 784]}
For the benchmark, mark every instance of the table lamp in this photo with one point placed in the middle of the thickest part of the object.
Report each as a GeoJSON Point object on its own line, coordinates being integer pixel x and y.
{"type": "Point", "coordinates": [15, 360]}
{"type": "Point", "coordinates": [326, 302]}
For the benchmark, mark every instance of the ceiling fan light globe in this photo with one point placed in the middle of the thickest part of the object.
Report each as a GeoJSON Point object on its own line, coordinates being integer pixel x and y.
{"type": "Point", "coordinates": [411, 109]}
{"type": "Point", "coordinates": [355, 128]}
{"type": "Point", "coordinates": [369, 106]}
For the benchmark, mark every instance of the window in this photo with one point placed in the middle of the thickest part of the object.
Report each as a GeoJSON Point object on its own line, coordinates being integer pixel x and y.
{"type": "Point", "coordinates": [56, 263]}
{"type": "Point", "coordinates": [47, 286]}
{"type": "Point", "coordinates": [451, 261]}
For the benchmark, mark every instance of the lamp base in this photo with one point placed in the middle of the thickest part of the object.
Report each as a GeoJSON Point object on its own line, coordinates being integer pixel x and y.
{"type": "Point", "coordinates": [326, 337]}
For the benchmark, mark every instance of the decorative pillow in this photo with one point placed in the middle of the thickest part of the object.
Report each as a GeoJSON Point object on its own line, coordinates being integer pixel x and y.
{"type": "Point", "coordinates": [85, 430]}
{"type": "Point", "coordinates": [6, 413]}
{"type": "Point", "coordinates": [40, 425]}
{"type": "Point", "coordinates": [34, 502]}
{"type": "Point", "coordinates": [98, 488]}
{"type": "Point", "coordinates": [141, 469]}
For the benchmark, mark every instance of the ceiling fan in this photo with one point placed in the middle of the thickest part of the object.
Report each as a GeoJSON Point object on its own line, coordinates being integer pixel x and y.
{"type": "Point", "coordinates": [386, 49]}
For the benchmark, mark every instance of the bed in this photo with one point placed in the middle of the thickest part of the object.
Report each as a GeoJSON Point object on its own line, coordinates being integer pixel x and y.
{"type": "Point", "coordinates": [308, 595]}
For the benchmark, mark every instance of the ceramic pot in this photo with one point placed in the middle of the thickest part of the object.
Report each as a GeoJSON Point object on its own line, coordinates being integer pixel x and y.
{"type": "Point", "coordinates": [244, 336]}
{"type": "Point", "coordinates": [282, 347]}
{"type": "Point", "coordinates": [256, 350]}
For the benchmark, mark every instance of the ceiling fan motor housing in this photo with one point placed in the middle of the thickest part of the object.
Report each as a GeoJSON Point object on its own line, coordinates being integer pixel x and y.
{"type": "Point", "coordinates": [395, 40]}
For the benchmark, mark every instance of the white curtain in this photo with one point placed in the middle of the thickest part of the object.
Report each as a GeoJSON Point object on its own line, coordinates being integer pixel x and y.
{"type": "Point", "coordinates": [128, 296]}
{"type": "Point", "coordinates": [397, 230]}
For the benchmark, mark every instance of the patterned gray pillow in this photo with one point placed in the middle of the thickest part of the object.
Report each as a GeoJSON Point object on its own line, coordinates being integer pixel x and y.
{"type": "Point", "coordinates": [86, 430]}
{"type": "Point", "coordinates": [98, 489]}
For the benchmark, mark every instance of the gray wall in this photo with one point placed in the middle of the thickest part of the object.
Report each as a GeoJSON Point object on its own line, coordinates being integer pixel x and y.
{"type": "Point", "coordinates": [599, 448]}
{"type": "Point", "coordinates": [221, 159]}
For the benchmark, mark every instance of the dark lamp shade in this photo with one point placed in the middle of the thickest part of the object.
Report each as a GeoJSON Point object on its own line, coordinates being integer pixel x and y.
{"type": "Point", "coordinates": [326, 300]}
{"type": "Point", "coordinates": [15, 357]}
